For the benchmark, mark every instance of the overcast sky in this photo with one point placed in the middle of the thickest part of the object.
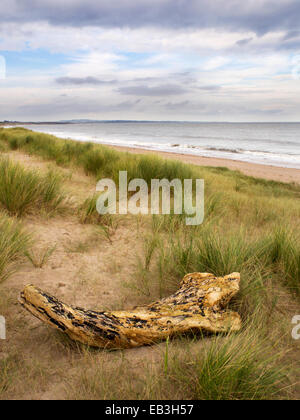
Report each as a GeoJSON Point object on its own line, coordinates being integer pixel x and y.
{"type": "Point", "coordinates": [197, 60]}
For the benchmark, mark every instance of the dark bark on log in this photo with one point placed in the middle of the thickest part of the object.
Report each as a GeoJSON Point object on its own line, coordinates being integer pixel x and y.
{"type": "Point", "coordinates": [199, 304]}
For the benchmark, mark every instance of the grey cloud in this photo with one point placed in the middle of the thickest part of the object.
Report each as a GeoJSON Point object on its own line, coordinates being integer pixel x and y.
{"type": "Point", "coordinates": [186, 78]}
{"type": "Point", "coordinates": [260, 111]}
{"type": "Point", "coordinates": [197, 108]}
{"type": "Point", "coordinates": [177, 105]}
{"type": "Point", "coordinates": [289, 46]}
{"type": "Point", "coordinates": [285, 43]}
{"type": "Point", "coordinates": [290, 41]}
{"type": "Point", "coordinates": [83, 81]}
{"type": "Point", "coordinates": [260, 16]}
{"type": "Point", "coordinates": [71, 107]}
{"type": "Point", "coordinates": [144, 79]}
{"type": "Point", "coordinates": [291, 35]}
{"type": "Point", "coordinates": [75, 107]}
{"type": "Point", "coordinates": [245, 41]}
{"type": "Point", "coordinates": [210, 87]}
{"type": "Point", "coordinates": [161, 90]}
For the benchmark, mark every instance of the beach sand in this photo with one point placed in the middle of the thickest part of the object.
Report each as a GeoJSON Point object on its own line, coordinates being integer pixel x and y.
{"type": "Point", "coordinates": [289, 175]}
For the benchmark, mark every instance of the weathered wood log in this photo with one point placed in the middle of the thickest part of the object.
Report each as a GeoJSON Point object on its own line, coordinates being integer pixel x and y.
{"type": "Point", "coordinates": [199, 304]}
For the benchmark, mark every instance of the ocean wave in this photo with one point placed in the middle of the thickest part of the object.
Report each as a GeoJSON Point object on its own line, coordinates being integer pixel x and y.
{"type": "Point", "coordinates": [271, 156]}
{"type": "Point", "coordinates": [236, 151]}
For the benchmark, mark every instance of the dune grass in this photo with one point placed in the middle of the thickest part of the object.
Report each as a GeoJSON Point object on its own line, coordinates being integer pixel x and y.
{"type": "Point", "coordinates": [8, 370]}
{"type": "Point", "coordinates": [40, 257]}
{"type": "Point", "coordinates": [87, 211]}
{"type": "Point", "coordinates": [243, 210]}
{"type": "Point", "coordinates": [23, 191]}
{"type": "Point", "coordinates": [14, 242]}
{"type": "Point", "coordinates": [96, 160]}
{"type": "Point", "coordinates": [19, 372]}
{"type": "Point", "coordinates": [283, 254]}
{"type": "Point", "coordinates": [105, 223]}
{"type": "Point", "coordinates": [239, 367]}
{"type": "Point", "coordinates": [169, 255]}
{"type": "Point", "coordinates": [99, 161]}
{"type": "Point", "coordinates": [251, 225]}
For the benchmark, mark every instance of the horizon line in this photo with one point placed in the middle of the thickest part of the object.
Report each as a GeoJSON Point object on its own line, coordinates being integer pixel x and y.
{"type": "Point", "coordinates": [84, 121]}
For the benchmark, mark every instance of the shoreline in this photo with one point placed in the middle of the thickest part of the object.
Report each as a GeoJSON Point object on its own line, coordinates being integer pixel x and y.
{"type": "Point", "coordinates": [257, 170]}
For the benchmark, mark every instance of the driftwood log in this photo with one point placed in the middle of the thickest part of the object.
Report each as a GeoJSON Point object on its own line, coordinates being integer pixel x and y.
{"type": "Point", "coordinates": [199, 304]}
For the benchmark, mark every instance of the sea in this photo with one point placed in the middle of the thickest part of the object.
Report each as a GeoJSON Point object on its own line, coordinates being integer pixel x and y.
{"type": "Point", "coordinates": [276, 144]}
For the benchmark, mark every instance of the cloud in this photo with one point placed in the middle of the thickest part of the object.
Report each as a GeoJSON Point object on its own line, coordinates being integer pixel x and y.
{"type": "Point", "coordinates": [260, 16]}
{"type": "Point", "coordinates": [245, 41]}
{"type": "Point", "coordinates": [161, 90]}
{"type": "Point", "coordinates": [66, 81]}
{"type": "Point", "coordinates": [181, 106]}
{"type": "Point", "coordinates": [210, 88]}
{"type": "Point", "coordinates": [72, 107]}
{"type": "Point", "coordinates": [215, 63]}
{"type": "Point", "coordinates": [290, 35]}
{"type": "Point", "coordinates": [167, 47]}
{"type": "Point", "coordinates": [150, 59]}
{"type": "Point", "coordinates": [289, 46]}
